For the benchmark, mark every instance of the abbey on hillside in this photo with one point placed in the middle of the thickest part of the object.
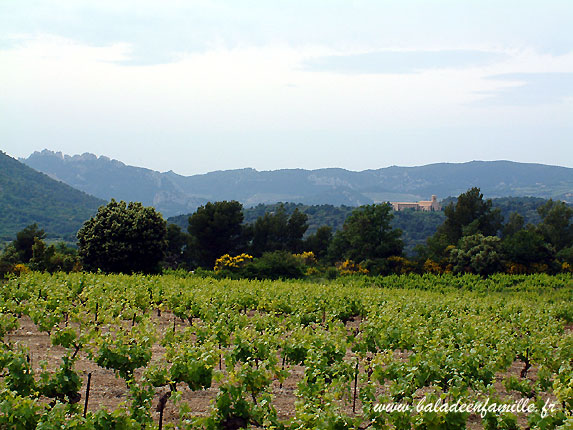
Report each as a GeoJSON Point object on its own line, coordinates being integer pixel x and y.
{"type": "Point", "coordinates": [422, 205]}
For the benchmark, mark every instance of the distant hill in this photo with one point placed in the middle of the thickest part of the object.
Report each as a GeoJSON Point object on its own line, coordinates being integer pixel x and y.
{"type": "Point", "coordinates": [107, 179]}
{"type": "Point", "coordinates": [173, 194]}
{"type": "Point", "coordinates": [28, 196]}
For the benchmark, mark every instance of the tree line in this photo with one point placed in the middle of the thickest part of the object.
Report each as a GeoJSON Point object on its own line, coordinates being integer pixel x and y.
{"type": "Point", "coordinates": [473, 238]}
{"type": "Point", "coordinates": [416, 226]}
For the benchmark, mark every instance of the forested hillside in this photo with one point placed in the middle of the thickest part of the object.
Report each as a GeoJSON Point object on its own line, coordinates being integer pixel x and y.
{"type": "Point", "coordinates": [27, 197]}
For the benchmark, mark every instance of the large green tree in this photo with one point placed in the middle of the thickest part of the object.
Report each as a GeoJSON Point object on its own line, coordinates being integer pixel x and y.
{"type": "Point", "coordinates": [217, 229]}
{"type": "Point", "coordinates": [29, 248]}
{"type": "Point", "coordinates": [367, 235]}
{"type": "Point", "coordinates": [25, 240]}
{"type": "Point", "coordinates": [278, 232]}
{"type": "Point", "coordinates": [53, 258]}
{"type": "Point", "coordinates": [477, 254]}
{"type": "Point", "coordinates": [526, 247]}
{"type": "Point", "coordinates": [123, 238]}
{"type": "Point", "coordinates": [177, 247]}
{"type": "Point", "coordinates": [470, 215]}
{"type": "Point", "coordinates": [319, 242]}
{"type": "Point", "coordinates": [556, 225]}
{"type": "Point", "coordinates": [515, 224]}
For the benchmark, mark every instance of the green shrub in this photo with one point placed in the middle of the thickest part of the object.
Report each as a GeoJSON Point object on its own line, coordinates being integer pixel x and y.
{"type": "Point", "coordinates": [275, 265]}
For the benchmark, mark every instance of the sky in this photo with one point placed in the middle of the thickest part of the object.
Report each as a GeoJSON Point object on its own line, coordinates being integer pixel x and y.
{"type": "Point", "coordinates": [200, 85]}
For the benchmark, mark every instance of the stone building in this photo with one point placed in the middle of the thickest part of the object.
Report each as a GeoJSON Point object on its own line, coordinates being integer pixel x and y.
{"type": "Point", "coordinates": [422, 205]}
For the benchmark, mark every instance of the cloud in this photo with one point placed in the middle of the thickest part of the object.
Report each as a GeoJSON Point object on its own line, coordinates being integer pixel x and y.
{"type": "Point", "coordinates": [156, 31]}
{"type": "Point", "coordinates": [154, 27]}
{"type": "Point", "coordinates": [529, 89]}
{"type": "Point", "coordinates": [402, 62]}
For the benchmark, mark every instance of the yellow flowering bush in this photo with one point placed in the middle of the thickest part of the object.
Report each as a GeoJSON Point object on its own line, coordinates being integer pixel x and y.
{"type": "Point", "coordinates": [312, 271]}
{"type": "Point", "coordinates": [226, 262]}
{"type": "Point", "coordinates": [516, 268]}
{"type": "Point", "coordinates": [400, 265]}
{"type": "Point", "coordinates": [307, 258]}
{"type": "Point", "coordinates": [20, 268]}
{"type": "Point", "coordinates": [430, 266]}
{"type": "Point", "coordinates": [349, 267]}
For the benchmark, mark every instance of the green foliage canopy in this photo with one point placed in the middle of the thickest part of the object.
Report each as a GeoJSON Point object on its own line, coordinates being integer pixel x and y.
{"type": "Point", "coordinates": [279, 232]}
{"type": "Point", "coordinates": [30, 249]}
{"type": "Point", "coordinates": [123, 238]}
{"type": "Point", "coordinates": [177, 246]}
{"type": "Point", "coordinates": [216, 229]}
{"type": "Point", "coordinates": [557, 224]}
{"type": "Point", "coordinates": [319, 242]}
{"type": "Point", "coordinates": [470, 215]}
{"type": "Point", "coordinates": [275, 265]}
{"type": "Point", "coordinates": [25, 240]}
{"type": "Point", "coordinates": [367, 234]}
{"type": "Point", "coordinates": [526, 247]}
{"type": "Point", "coordinates": [477, 254]}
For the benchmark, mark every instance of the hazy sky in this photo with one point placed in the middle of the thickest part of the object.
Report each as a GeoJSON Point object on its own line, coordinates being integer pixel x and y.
{"type": "Point", "coordinates": [195, 86]}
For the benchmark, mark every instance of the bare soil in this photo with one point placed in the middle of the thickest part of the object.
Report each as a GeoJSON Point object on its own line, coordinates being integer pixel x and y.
{"type": "Point", "coordinates": [108, 391]}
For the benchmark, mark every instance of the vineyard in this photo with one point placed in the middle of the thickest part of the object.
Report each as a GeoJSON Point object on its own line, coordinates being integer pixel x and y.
{"type": "Point", "coordinates": [91, 351]}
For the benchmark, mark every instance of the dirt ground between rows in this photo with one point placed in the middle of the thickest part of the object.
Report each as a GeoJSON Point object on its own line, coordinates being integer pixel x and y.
{"type": "Point", "coordinates": [108, 391]}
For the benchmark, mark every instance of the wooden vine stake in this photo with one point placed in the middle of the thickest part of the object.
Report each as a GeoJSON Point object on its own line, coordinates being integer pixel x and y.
{"type": "Point", "coordinates": [355, 385]}
{"type": "Point", "coordinates": [161, 407]}
{"type": "Point", "coordinates": [282, 368]}
{"type": "Point", "coordinates": [87, 394]}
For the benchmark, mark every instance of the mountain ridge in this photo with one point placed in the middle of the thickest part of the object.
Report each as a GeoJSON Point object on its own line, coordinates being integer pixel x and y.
{"type": "Point", "coordinates": [174, 194]}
